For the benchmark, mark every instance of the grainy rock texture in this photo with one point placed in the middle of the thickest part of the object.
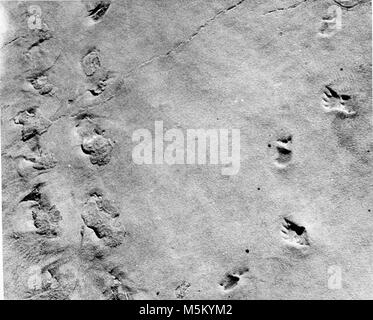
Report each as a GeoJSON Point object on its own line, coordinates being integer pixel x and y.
{"type": "Point", "coordinates": [81, 220]}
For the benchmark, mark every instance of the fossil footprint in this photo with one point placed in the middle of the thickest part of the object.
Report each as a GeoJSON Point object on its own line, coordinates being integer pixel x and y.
{"type": "Point", "coordinates": [332, 101]}
{"type": "Point", "coordinates": [231, 279]}
{"type": "Point", "coordinates": [45, 215]}
{"type": "Point", "coordinates": [97, 9]}
{"type": "Point", "coordinates": [284, 149]}
{"type": "Point", "coordinates": [293, 233]}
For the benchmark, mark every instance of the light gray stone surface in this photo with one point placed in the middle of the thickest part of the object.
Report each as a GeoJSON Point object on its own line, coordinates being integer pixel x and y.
{"type": "Point", "coordinates": [82, 221]}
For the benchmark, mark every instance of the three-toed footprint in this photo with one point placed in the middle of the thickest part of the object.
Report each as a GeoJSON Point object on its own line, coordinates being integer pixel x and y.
{"type": "Point", "coordinates": [101, 216]}
{"type": "Point", "coordinates": [294, 234]}
{"type": "Point", "coordinates": [341, 104]}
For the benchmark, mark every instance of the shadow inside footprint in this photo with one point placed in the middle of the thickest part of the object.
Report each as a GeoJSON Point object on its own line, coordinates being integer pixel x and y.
{"type": "Point", "coordinates": [341, 104]}
{"type": "Point", "coordinates": [231, 279]}
{"type": "Point", "coordinates": [284, 155]}
{"type": "Point", "coordinates": [283, 147]}
{"type": "Point", "coordinates": [97, 11]}
{"type": "Point", "coordinates": [294, 234]}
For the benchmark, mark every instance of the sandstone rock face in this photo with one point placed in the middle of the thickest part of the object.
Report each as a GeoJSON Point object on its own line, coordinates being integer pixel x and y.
{"type": "Point", "coordinates": [83, 220]}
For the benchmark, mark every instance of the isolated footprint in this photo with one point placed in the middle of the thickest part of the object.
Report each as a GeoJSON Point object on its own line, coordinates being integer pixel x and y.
{"type": "Point", "coordinates": [93, 142]}
{"type": "Point", "coordinates": [97, 9]}
{"type": "Point", "coordinates": [181, 289]}
{"type": "Point", "coordinates": [332, 101]}
{"type": "Point", "coordinates": [231, 279]}
{"type": "Point", "coordinates": [327, 28]}
{"type": "Point", "coordinates": [91, 62]}
{"type": "Point", "coordinates": [331, 22]}
{"type": "Point", "coordinates": [284, 149]}
{"type": "Point", "coordinates": [98, 148]}
{"type": "Point", "coordinates": [101, 217]}
{"type": "Point", "coordinates": [293, 233]}
{"type": "Point", "coordinates": [98, 77]}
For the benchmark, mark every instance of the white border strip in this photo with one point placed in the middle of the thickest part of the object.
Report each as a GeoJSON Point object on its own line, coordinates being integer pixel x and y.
{"type": "Point", "coordinates": [3, 29]}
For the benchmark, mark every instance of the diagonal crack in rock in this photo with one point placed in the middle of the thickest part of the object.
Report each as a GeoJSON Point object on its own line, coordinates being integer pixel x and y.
{"type": "Point", "coordinates": [293, 6]}
{"type": "Point", "coordinates": [190, 38]}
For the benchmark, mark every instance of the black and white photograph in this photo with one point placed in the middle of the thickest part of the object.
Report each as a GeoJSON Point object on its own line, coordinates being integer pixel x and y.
{"type": "Point", "coordinates": [186, 150]}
